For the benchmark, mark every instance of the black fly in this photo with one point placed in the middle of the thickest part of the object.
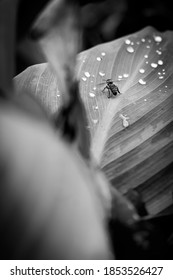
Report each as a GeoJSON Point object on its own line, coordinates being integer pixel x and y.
{"type": "Point", "coordinates": [112, 88]}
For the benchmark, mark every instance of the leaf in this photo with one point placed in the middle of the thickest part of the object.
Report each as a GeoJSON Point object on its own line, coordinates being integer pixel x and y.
{"type": "Point", "coordinates": [50, 199]}
{"type": "Point", "coordinates": [57, 31]}
{"type": "Point", "coordinates": [131, 134]}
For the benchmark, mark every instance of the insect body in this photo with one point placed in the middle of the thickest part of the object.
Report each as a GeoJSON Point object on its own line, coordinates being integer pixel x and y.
{"type": "Point", "coordinates": [111, 87]}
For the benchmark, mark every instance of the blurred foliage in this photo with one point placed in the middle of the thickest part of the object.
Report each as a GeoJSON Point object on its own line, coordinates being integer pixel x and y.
{"type": "Point", "coordinates": [102, 21]}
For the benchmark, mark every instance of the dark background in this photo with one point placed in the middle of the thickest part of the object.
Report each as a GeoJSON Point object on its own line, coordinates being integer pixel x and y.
{"type": "Point", "coordinates": [102, 21]}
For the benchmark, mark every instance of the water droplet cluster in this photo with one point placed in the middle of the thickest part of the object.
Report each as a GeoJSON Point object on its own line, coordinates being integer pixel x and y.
{"type": "Point", "coordinates": [125, 120]}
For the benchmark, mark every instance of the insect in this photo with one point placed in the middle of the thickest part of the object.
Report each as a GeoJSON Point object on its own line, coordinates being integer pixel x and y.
{"type": "Point", "coordinates": [112, 88]}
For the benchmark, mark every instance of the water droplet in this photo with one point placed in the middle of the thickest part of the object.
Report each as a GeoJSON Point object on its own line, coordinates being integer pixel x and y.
{"type": "Point", "coordinates": [94, 88]}
{"type": "Point", "coordinates": [120, 76]}
{"type": "Point", "coordinates": [160, 62]}
{"type": "Point", "coordinates": [143, 39]}
{"type": "Point", "coordinates": [145, 100]}
{"type": "Point", "coordinates": [142, 82]}
{"type": "Point", "coordinates": [147, 46]}
{"type": "Point", "coordinates": [163, 70]}
{"type": "Point", "coordinates": [125, 75]}
{"type": "Point", "coordinates": [125, 120]}
{"type": "Point", "coordinates": [161, 77]}
{"type": "Point", "coordinates": [142, 70]}
{"type": "Point", "coordinates": [95, 107]}
{"type": "Point", "coordinates": [154, 65]}
{"type": "Point", "coordinates": [166, 86]}
{"type": "Point", "coordinates": [146, 55]}
{"type": "Point", "coordinates": [83, 60]}
{"type": "Point", "coordinates": [159, 73]}
{"type": "Point", "coordinates": [99, 58]}
{"type": "Point", "coordinates": [127, 42]}
{"type": "Point", "coordinates": [132, 43]}
{"type": "Point", "coordinates": [130, 49]}
{"type": "Point", "coordinates": [159, 52]}
{"type": "Point", "coordinates": [84, 79]}
{"type": "Point", "coordinates": [58, 95]}
{"type": "Point", "coordinates": [95, 121]}
{"type": "Point", "coordinates": [138, 43]}
{"type": "Point", "coordinates": [146, 62]}
{"type": "Point", "coordinates": [103, 53]}
{"type": "Point", "coordinates": [160, 90]}
{"type": "Point", "coordinates": [91, 94]}
{"type": "Point", "coordinates": [87, 74]}
{"type": "Point", "coordinates": [101, 74]}
{"type": "Point", "coordinates": [157, 38]}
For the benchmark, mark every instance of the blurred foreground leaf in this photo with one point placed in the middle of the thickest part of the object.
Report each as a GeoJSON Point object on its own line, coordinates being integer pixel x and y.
{"type": "Point", "coordinates": [131, 134]}
{"type": "Point", "coordinates": [52, 205]}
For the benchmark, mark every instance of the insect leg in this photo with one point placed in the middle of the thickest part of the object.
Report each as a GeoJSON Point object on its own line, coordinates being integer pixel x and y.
{"type": "Point", "coordinates": [104, 89]}
{"type": "Point", "coordinates": [118, 90]}
{"type": "Point", "coordinates": [109, 93]}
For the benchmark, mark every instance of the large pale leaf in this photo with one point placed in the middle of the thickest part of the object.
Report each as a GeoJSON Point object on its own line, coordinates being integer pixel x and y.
{"type": "Point", "coordinates": [131, 133]}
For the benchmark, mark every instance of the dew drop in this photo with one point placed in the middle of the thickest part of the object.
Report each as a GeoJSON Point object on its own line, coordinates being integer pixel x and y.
{"type": "Point", "coordinates": [101, 74]}
{"type": "Point", "coordinates": [99, 58]}
{"type": "Point", "coordinates": [91, 94]}
{"type": "Point", "coordinates": [132, 43]}
{"type": "Point", "coordinates": [161, 77]}
{"type": "Point", "coordinates": [159, 52]}
{"type": "Point", "coordinates": [120, 76]}
{"type": "Point", "coordinates": [166, 86]}
{"type": "Point", "coordinates": [142, 70]}
{"type": "Point", "coordinates": [96, 107]}
{"type": "Point", "coordinates": [127, 42]}
{"type": "Point", "coordinates": [154, 65]}
{"type": "Point", "coordinates": [87, 74]}
{"type": "Point", "coordinates": [142, 82]}
{"type": "Point", "coordinates": [125, 120]}
{"type": "Point", "coordinates": [94, 88]}
{"type": "Point", "coordinates": [159, 73]}
{"type": "Point", "coordinates": [58, 95]}
{"type": "Point", "coordinates": [103, 53]}
{"type": "Point", "coordinates": [146, 55]}
{"type": "Point", "coordinates": [147, 46]}
{"type": "Point", "coordinates": [84, 79]}
{"type": "Point", "coordinates": [143, 39]}
{"type": "Point", "coordinates": [145, 100]}
{"type": "Point", "coordinates": [160, 62]}
{"type": "Point", "coordinates": [95, 121]}
{"type": "Point", "coordinates": [146, 62]}
{"type": "Point", "coordinates": [157, 38]}
{"type": "Point", "coordinates": [125, 75]}
{"type": "Point", "coordinates": [130, 49]}
{"type": "Point", "coordinates": [138, 43]}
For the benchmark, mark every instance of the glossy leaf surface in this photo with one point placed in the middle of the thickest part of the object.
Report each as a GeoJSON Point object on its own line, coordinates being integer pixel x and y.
{"type": "Point", "coordinates": [131, 134]}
